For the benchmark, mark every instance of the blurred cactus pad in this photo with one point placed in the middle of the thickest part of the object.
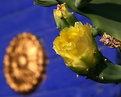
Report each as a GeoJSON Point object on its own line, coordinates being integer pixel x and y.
{"type": "Point", "coordinates": [106, 18]}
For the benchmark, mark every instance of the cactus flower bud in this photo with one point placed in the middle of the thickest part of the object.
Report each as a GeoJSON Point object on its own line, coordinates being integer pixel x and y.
{"type": "Point", "coordinates": [63, 17]}
{"type": "Point", "coordinates": [77, 47]}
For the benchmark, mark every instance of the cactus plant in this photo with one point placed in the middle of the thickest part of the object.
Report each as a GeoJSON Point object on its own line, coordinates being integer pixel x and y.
{"type": "Point", "coordinates": [105, 14]}
{"type": "Point", "coordinates": [90, 63]}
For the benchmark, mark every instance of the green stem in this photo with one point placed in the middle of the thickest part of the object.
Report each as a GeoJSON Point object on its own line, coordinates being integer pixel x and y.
{"type": "Point", "coordinates": [106, 72]}
{"type": "Point", "coordinates": [46, 3]}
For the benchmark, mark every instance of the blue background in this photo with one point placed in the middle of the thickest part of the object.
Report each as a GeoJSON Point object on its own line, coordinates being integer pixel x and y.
{"type": "Point", "coordinates": [17, 16]}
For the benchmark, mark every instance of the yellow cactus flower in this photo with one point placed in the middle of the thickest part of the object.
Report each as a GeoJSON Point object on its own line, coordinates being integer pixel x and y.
{"type": "Point", "coordinates": [77, 47]}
